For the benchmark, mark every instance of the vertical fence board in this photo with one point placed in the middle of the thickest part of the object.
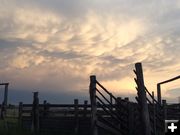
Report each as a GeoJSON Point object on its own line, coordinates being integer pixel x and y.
{"type": "Point", "coordinates": [154, 114]}
{"type": "Point", "coordinates": [85, 108]}
{"type": "Point", "coordinates": [20, 114]}
{"type": "Point", "coordinates": [35, 113]}
{"type": "Point", "coordinates": [143, 102]}
{"type": "Point", "coordinates": [93, 104]}
{"type": "Point", "coordinates": [76, 116]}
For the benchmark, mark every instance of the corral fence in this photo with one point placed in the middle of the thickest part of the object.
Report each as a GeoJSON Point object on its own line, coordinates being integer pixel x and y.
{"type": "Point", "coordinates": [114, 115]}
{"type": "Point", "coordinates": [171, 111]}
{"type": "Point", "coordinates": [105, 115]}
{"type": "Point", "coordinates": [151, 112]}
{"type": "Point", "coordinates": [117, 117]}
{"type": "Point", "coordinates": [55, 118]}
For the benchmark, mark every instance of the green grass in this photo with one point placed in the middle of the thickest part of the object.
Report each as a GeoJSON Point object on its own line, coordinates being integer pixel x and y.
{"type": "Point", "coordinates": [10, 127]}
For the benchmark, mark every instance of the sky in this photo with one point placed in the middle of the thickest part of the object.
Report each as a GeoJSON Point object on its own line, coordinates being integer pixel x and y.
{"type": "Point", "coordinates": [54, 46]}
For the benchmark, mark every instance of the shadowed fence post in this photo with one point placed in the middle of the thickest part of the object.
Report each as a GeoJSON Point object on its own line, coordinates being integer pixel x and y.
{"type": "Point", "coordinates": [164, 108]}
{"type": "Point", "coordinates": [164, 104]}
{"type": "Point", "coordinates": [5, 98]}
{"type": "Point", "coordinates": [76, 109]}
{"type": "Point", "coordinates": [6, 93]}
{"type": "Point", "coordinates": [2, 110]}
{"type": "Point", "coordinates": [130, 117]}
{"type": "Point", "coordinates": [45, 108]}
{"type": "Point", "coordinates": [20, 114]}
{"type": "Point", "coordinates": [159, 93]}
{"type": "Point", "coordinates": [35, 113]}
{"type": "Point", "coordinates": [118, 104]}
{"type": "Point", "coordinates": [92, 90]}
{"type": "Point", "coordinates": [142, 98]}
{"type": "Point", "coordinates": [4, 103]}
{"type": "Point", "coordinates": [85, 107]}
{"type": "Point", "coordinates": [154, 113]}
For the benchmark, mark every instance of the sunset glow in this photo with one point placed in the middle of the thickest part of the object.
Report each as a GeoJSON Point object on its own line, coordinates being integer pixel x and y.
{"type": "Point", "coordinates": [54, 46]}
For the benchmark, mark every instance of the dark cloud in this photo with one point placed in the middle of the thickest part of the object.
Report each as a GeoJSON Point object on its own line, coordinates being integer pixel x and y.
{"type": "Point", "coordinates": [26, 96]}
{"type": "Point", "coordinates": [14, 43]}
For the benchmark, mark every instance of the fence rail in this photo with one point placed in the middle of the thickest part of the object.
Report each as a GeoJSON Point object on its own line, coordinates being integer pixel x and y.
{"type": "Point", "coordinates": [117, 118]}
{"type": "Point", "coordinates": [104, 115]}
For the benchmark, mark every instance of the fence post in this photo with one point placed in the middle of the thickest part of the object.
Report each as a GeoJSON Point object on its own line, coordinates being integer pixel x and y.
{"type": "Point", "coordinates": [143, 102]}
{"type": "Point", "coordinates": [154, 114]}
{"type": "Point", "coordinates": [4, 103]}
{"type": "Point", "coordinates": [164, 111]}
{"type": "Point", "coordinates": [119, 110]}
{"type": "Point", "coordinates": [20, 114]}
{"type": "Point", "coordinates": [2, 110]}
{"type": "Point", "coordinates": [92, 90]}
{"type": "Point", "coordinates": [130, 116]}
{"type": "Point", "coordinates": [76, 116]}
{"type": "Point", "coordinates": [159, 93]}
{"type": "Point", "coordinates": [5, 98]}
{"type": "Point", "coordinates": [85, 107]}
{"type": "Point", "coordinates": [164, 108]}
{"type": "Point", "coordinates": [35, 113]}
{"type": "Point", "coordinates": [45, 108]}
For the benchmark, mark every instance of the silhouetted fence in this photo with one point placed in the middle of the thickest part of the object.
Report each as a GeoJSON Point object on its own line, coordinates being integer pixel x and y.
{"type": "Point", "coordinates": [56, 118]}
{"type": "Point", "coordinates": [105, 115]}
{"type": "Point", "coordinates": [117, 118]}
{"type": "Point", "coordinates": [152, 113]}
{"type": "Point", "coordinates": [67, 118]}
{"type": "Point", "coordinates": [4, 103]}
{"type": "Point", "coordinates": [171, 111]}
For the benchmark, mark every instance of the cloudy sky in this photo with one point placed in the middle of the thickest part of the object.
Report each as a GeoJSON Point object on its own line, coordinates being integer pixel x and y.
{"type": "Point", "coordinates": [54, 46]}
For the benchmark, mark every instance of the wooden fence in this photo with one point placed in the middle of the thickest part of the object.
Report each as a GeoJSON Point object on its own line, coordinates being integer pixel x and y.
{"type": "Point", "coordinates": [105, 115]}
{"type": "Point", "coordinates": [117, 118]}
{"type": "Point", "coordinates": [76, 118]}
{"type": "Point", "coordinates": [171, 111]}
{"type": "Point", "coordinates": [109, 115]}
{"type": "Point", "coordinates": [56, 118]}
{"type": "Point", "coordinates": [71, 118]}
{"type": "Point", "coordinates": [153, 114]}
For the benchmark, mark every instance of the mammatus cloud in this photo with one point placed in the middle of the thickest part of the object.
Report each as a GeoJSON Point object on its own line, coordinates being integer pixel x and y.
{"type": "Point", "coordinates": [58, 45]}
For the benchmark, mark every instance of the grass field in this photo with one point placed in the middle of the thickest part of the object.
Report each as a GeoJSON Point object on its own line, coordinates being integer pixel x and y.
{"type": "Point", "coordinates": [10, 127]}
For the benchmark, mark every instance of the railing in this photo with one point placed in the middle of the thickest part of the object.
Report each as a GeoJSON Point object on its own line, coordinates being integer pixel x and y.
{"type": "Point", "coordinates": [171, 111]}
{"type": "Point", "coordinates": [56, 118]}
{"type": "Point", "coordinates": [152, 113]}
{"type": "Point", "coordinates": [115, 118]}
